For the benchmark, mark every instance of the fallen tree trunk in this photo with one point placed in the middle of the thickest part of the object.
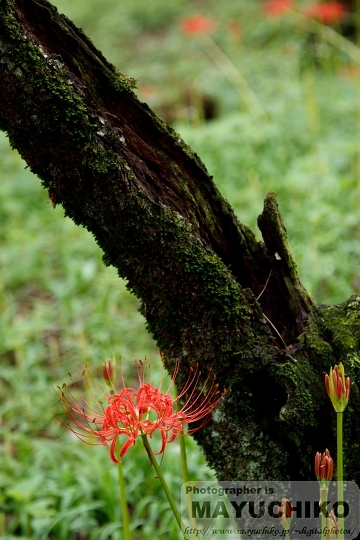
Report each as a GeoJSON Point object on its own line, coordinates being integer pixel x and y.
{"type": "Point", "coordinates": [209, 291]}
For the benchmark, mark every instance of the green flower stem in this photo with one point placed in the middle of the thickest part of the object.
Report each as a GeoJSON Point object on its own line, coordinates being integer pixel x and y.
{"type": "Point", "coordinates": [184, 467]}
{"type": "Point", "coordinates": [163, 483]}
{"type": "Point", "coordinates": [2, 524]}
{"type": "Point", "coordinates": [185, 474]}
{"type": "Point", "coordinates": [324, 491]}
{"type": "Point", "coordinates": [123, 503]}
{"type": "Point", "coordinates": [286, 532]}
{"type": "Point", "coordinates": [340, 470]}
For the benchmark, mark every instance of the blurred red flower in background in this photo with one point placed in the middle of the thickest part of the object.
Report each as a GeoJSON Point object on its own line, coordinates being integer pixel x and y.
{"type": "Point", "coordinates": [277, 7]}
{"type": "Point", "coordinates": [197, 24]}
{"type": "Point", "coordinates": [327, 13]}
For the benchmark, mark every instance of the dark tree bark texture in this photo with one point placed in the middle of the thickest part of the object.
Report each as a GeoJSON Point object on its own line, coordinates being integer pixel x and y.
{"type": "Point", "coordinates": [211, 293]}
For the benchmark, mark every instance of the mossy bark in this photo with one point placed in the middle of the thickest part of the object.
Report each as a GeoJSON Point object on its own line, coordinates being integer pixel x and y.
{"type": "Point", "coordinates": [209, 291]}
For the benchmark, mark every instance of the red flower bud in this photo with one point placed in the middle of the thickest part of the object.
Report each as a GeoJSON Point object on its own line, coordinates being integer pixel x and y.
{"type": "Point", "coordinates": [108, 371]}
{"type": "Point", "coordinates": [324, 466]}
{"type": "Point", "coordinates": [285, 513]}
{"type": "Point", "coordinates": [338, 389]}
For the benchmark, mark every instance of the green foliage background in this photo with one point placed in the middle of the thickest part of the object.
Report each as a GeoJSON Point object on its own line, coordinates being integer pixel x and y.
{"type": "Point", "coordinates": [61, 309]}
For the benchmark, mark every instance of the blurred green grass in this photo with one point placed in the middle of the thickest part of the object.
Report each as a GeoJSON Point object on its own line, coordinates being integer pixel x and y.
{"type": "Point", "coordinates": [61, 309]}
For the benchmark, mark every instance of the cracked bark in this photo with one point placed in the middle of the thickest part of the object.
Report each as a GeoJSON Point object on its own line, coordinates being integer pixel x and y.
{"type": "Point", "coordinates": [121, 172]}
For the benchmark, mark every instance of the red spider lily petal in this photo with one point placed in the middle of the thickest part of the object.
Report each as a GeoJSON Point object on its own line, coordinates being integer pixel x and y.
{"type": "Point", "coordinates": [347, 387]}
{"type": "Point", "coordinates": [123, 449]}
{"type": "Point", "coordinates": [326, 468]}
{"type": "Point", "coordinates": [340, 390]}
{"type": "Point", "coordinates": [131, 413]}
{"type": "Point", "coordinates": [272, 8]}
{"type": "Point", "coordinates": [336, 381]}
{"type": "Point", "coordinates": [197, 24]}
{"type": "Point", "coordinates": [288, 508]}
{"type": "Point", "coordinates": [327, 13]}
{"type": "Point", "coordinates": [327, 386]}
{"type": "Point", "coordinates": [164, 441]}
{"type": "Point", "coordinates": [112, 451]}
{"type": "Point", "coordinates": [126, 445]}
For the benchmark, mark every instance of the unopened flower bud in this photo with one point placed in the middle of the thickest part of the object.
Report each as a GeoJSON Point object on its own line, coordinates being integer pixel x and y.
{"type": "Point", "coordinates": [324, 466]}
{"type": "Point", "coordinates": [108, 371]}
{"type": "Point", "coordinates": [285, 513]}
{"type": "Point", "coordinates": [338, 388]}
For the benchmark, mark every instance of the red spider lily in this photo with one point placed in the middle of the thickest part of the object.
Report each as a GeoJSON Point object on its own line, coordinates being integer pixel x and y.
{"type": "Point", "coordinates": [197, 24]}
{"type": "Point", "coordinates": [131, 412]}
{"type": "Point", "coordinates": [338, 388]}
{"type": "Point", "coordinates": [324, 466]}
{"type": "Point", "coordinates": [272, 8]}
{"type": "Point", "coordinates": [327, 13]}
